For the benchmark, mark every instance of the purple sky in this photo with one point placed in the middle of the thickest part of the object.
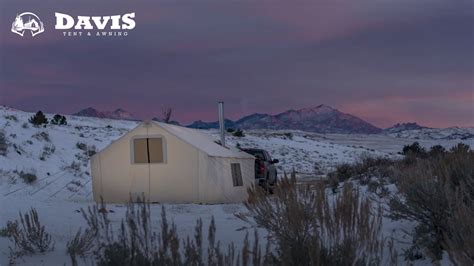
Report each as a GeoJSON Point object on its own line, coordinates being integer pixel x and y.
{"type": "Point", "coordinates": [382, 60]}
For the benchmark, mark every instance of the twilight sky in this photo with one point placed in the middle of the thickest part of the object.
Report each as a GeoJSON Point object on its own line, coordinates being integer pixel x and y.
{"type": "Point", "coordinates": [385, 61]}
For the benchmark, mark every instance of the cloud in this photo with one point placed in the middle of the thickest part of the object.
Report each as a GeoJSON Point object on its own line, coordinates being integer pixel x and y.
{"type": "Point", "coordinates": [257, 56]}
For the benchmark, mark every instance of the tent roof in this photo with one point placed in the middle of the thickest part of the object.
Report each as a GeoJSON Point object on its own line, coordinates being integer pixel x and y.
{"type": "Point", "coordinates": [203, 142]}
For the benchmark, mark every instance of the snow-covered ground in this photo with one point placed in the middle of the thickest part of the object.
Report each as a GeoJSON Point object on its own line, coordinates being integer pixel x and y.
{"type": "Point", "coordinates": [63, 184]}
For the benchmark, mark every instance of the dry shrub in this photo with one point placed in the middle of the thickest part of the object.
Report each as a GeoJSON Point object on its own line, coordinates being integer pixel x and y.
{"type": "Point", "coordinates": [81, 146]}
{"type": "Point", "coordinates": [311, 228]}
{"type": "Point", "coordinates": [81, 245]}
{"type": "Point", "coordinates": [41, 136]}
{"type": "Point", "coordinates": [89, 151]}
{"type": "Point", "coordinates": [11, 117]}
{"type": "Point", "coordinates": [137, 244]}
{"type": "Point", "coordinates": [343, 172]}
{"type": "Point", "coordinates": [3, 144]}
{"type": "Point", "coordinates": [363, 170]}
{"type": "Point", "coordinates": [48, 150]}
{"type": "Point", "coordinates": [27, 177]}
{"type": "Point", "coordinates": [5, 231]}
{"type": "Point", "coordinates": [438, 193]}
{"type": "Point", "coordinates": [459, 241]}
{"type": "Point", "coordinates": [28, 235]}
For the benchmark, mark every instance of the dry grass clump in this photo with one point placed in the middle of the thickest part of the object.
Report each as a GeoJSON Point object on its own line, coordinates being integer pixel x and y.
{"type": "Point", "coordinates": [137, 244]}
{"type": "Point", "coordinates": [48, 150]}
{"type": "Point", "coordinates": [438, 193]}
{"type": "Point", "coordinates": [28, 235]}
{"type": "Point", "coordinates": [311, 228]}
{"type": "Point", "coordinates": [81, 245]}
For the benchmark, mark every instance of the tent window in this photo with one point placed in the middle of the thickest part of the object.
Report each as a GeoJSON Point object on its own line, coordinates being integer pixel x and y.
{"type": "Point", "coordinates": [236, 174]}
{"type": "Point", "coordinates": [155, 147]}
{"type": "Point", "coordinates": [148, 150]}
{"type": "Point", "coordinates": [140, 151]}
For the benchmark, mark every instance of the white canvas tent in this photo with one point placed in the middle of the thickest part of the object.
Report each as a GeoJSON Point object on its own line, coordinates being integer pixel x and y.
{"type": "Point", "coordinates": [170, 164]}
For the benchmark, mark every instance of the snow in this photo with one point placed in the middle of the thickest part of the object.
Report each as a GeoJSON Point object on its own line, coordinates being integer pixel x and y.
{"type": "Point", "coordinates": [305, 149]}
{"type": "Point", "coordinates": [64, 186]}
{"type": "Point", "coordinates": [203, 141]}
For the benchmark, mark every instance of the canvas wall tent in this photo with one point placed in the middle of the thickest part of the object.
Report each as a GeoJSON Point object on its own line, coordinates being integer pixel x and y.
{"type": "Point", "coordinates": [170, 164]}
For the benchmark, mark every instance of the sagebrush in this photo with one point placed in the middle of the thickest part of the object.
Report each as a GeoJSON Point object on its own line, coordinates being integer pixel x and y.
{"type": "Point", "coordinates": [438, 193]}
{"type": "Point", "coordinates": [311, 228]}
{"type": "Point", "coordinates": [28, 235]}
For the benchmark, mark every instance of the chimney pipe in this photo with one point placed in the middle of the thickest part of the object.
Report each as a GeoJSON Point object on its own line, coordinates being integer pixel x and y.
{"type": "Point", "coordinates": [221, 123]}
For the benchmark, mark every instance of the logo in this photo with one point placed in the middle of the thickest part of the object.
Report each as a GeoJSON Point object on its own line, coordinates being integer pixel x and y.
{"type": "Point", "coordinates": [100, 26]}
{"type": "Point", "coordinates": [118, 22]}
{"type": "Point", "coordinates": [77, 26]}
{"type": "Point", "coordinates": [27, 21]}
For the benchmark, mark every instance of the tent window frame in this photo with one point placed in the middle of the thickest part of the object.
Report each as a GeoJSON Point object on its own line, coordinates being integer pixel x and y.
{"type": "Point", "coordinates": [236, 172]}
{"type": "Point", "coordinates": [163, 149]}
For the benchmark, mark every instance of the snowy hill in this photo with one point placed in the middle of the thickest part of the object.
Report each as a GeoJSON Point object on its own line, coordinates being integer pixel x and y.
{"type": "Point", "coordinates": [58, 156]}
{"type": "Point", "coordinates": [320, 119]}
{"type": "Point", "coordinates": [55, 149]}
{"type": "Point", "coordinates": [52, 149]}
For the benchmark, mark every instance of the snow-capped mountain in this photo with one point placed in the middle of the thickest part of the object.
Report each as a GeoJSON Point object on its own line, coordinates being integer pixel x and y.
{"type": "Point", "coordinates": [320, 119]}
{"type": "Point", "coordinates": [399, 127]}
{"type": "Point", "coordinates": [90, 112]}
{"type": "Point", "coordinates": [119, 113]}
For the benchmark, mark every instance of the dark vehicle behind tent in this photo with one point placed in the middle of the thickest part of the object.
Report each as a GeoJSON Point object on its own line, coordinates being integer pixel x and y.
{"type": "Point", "coordinates": [265, 169]}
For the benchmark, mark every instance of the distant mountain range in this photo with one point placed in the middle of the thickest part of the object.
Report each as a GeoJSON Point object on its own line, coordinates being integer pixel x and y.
{"type": "Point", "coordinates": [321, 119]}
{"type": "Point", "coordinates": [117, 114]}
{"type": "Point", "coordinates": [399, 127]}
{"type": "Point", "coordinates": [415, 131]}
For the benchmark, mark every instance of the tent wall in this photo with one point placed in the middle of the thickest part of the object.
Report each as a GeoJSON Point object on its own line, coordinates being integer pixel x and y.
{"type": "Point", "coordinates": [187, 175]}
{"type": "Point", "coordinates": [175, 181]}
{"type": "Point", "coordinates": [218, 186]}
{"type": "Point", "coordinates": [116, 178]}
